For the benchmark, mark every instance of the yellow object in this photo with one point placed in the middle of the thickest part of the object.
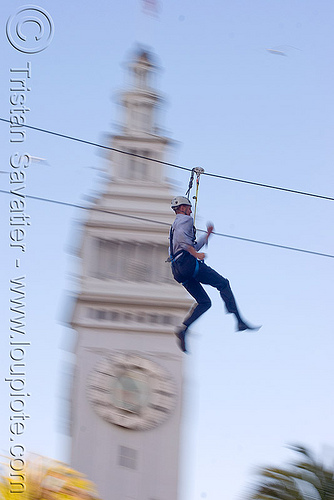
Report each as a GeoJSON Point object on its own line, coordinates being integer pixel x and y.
{"type": "Point", "coordinates": [45, 479]}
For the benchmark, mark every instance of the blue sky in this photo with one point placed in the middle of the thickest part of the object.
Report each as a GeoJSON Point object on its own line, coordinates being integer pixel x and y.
{"type": "Point", "coordinates": [237, 110]}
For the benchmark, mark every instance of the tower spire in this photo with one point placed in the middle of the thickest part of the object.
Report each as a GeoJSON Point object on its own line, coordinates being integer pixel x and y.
{"type": "Point", "coordinates": [142, 68]}
{"type": "Point", "coordinates": [141, 101]}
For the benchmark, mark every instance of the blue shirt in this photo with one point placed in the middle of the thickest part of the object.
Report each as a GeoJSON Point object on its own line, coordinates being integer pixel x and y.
{"type": "Point", "coordinates": [184, 234]}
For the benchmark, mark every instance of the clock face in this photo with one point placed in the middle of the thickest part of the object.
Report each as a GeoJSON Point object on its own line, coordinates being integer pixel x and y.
{"type": "Point", "coordinates": [131, 391]}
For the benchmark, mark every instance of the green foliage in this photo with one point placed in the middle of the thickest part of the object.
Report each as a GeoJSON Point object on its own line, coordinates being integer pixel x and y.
{"type": "Point", "coordinates": [304, 479]}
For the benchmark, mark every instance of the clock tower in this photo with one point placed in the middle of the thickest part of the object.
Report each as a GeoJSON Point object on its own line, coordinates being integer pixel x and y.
{"type": "Point", "coordinates": [127, 390]}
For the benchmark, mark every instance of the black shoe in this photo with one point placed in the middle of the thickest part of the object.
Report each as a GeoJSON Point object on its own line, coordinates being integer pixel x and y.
{"type": "Point", "coordinates": [181, 335]}
{"type": "Point", "coordinates": [242, 326]}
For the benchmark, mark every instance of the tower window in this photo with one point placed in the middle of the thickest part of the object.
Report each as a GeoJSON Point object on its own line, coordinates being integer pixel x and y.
{"type": "Point", "coordinates": [127, 457]}
{"type": "Point", "coordinates": [101, 314]}
{"type": "Point", "coordinates": [137, 167]}
{"type": "Point", "coordinates": [131, 261]}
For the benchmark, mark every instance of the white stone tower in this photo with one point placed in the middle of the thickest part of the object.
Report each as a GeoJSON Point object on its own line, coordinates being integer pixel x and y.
{"type": "Point", "coordinates": [127, 393]}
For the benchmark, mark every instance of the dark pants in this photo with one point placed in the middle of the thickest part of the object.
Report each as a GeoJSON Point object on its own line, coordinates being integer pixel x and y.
{"type": "Point", "coordinates": [208, 276]}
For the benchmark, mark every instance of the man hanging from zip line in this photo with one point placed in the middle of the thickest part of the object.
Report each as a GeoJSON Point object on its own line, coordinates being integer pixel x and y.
{"type": "Point", "coordinates": [189, 269]}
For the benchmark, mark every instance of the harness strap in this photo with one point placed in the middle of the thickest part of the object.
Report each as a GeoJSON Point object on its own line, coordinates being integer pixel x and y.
{"type": "Point", "coordinates": [173, 257]}
{"type": "Point", "coordinates": [176, 256]}
{"type": "Point", "coordinates": [196, 269]}
{"type": "Point", "coordinates": [171, 254]}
